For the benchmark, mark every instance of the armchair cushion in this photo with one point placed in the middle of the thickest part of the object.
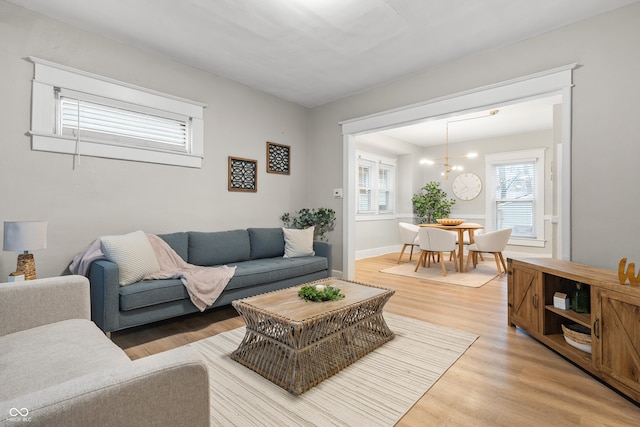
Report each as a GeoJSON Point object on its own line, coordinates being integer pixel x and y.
{"type": "Point", "coordinates": [25, 305]}
{"type": "Point", "coordinates": [50, 354]}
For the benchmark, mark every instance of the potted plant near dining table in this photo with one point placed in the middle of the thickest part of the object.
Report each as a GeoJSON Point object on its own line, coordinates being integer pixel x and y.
{"type": "Point", "coordinates": [432, 203]}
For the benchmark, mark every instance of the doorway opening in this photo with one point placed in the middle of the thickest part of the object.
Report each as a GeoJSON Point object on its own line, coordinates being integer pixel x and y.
{"type": "Point", "coordinates": [551, 82]}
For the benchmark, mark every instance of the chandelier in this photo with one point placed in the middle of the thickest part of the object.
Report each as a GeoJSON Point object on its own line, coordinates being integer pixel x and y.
{"type": "Point", "coordinates": [444, 161]}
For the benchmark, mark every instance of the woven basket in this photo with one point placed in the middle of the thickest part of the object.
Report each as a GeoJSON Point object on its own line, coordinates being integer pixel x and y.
{"type": "Point", "coordinates": [576, 336]}
{"type": "Point", "coordinates": [450, 221]}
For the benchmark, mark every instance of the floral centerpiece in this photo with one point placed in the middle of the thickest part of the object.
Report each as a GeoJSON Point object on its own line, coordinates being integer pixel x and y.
{"type": "Point", "coordinates": [320, 293]}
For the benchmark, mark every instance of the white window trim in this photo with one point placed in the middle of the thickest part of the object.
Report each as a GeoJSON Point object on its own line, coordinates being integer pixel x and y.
{"type": "Point", "coordinates": [49, 75]}
{"type": "Point", "coordinates": [491, 159]}
{"type": "Point", "coordinates": [377, 216]}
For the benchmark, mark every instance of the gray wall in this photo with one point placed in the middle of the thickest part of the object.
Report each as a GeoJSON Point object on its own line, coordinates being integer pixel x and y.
{"type": "Point", "coordinates": [109, 196]}
{"type": "Point", "coordinates": [112, 196]}
{"type": "Point", "coordinates": [605, 176]}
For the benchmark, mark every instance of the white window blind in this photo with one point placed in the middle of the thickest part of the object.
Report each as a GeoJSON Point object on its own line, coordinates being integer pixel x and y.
{"type": "Point", "coordinates": [515, 198]}
{"type": "Point", "coordinates": [376, 184]}
{"type": "Point", "coordinates": [109, 121]}
{"type": "Point", "coordinates": [365, 190]}
{"type": "Point", "coordinates": [515, 195]}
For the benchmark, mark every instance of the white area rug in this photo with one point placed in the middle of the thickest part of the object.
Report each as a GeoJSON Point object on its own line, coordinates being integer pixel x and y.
{"type": "Point", "coordinates": [474, 278]}
{"type": "Point", "coordinates": [376, 390]}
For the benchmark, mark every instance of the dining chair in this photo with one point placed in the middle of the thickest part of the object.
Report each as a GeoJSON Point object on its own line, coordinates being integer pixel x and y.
{"type": "Point", "coordinates": [435, 241]}
{"type": "Point", "coordinates": [409, 237]}
{"type": "Point", "coordinates": [492, 242]}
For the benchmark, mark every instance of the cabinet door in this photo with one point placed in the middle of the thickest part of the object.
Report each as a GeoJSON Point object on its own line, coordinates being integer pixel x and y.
{"type": "Point", "coordinates": [525, 304]}
{"type": "Point", "coordinates": [617, 336]}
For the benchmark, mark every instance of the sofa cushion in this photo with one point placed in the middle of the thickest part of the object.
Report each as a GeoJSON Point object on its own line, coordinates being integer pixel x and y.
{"type": "Point", "coordinates": [298, 242]}
{"type": "Point", "coordinates": [179, 242]}
{"type": "Point", "coordinates": [266, 242]}
{"type": "Point", "coordinates": [47, 355]}
{"type": "Point", "coordinates": [218, 248]}
{"type": "Point", "coordinates": [151, 292]}
{"type": "Point", "coordinates": [267, 270]}
{"type": "Point", "coordinates": [133, 253]}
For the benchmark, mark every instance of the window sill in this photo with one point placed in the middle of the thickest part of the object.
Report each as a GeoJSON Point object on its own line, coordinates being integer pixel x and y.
{"type": "Point", "coordinates": [527, 242]}
{"type": "Point", "coordinates": [375, 217]}
{"type": "Point", "coordinates": [64, 145]}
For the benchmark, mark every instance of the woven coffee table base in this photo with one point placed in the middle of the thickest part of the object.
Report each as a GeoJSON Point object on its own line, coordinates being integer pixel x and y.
{"type": "Point", "coordinates": [297, 355]}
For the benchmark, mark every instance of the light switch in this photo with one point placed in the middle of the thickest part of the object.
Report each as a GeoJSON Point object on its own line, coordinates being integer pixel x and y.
{"type": "Point", "coordinates": [337, 193]}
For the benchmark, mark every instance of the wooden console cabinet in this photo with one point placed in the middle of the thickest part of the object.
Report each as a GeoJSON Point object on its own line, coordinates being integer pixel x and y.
{"type": "Point", "coordinates": [614, 319]}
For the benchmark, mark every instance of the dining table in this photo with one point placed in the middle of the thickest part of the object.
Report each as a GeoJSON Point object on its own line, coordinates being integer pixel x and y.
{"type": "Point", "coordinates": [469, 227]}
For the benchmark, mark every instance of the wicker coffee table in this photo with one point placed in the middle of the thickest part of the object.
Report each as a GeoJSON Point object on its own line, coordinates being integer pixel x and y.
{"type": "Point", "coordinates": [297, 344]}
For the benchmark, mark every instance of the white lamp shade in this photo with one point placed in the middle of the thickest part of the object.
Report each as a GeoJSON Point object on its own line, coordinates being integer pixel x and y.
{"type": "Point", "coordinates": [21, 236]}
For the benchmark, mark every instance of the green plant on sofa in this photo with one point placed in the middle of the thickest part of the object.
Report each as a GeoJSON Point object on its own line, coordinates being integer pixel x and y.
{"type": "Point", "coordinates": [322, 218]}
{"type": "Point", "coordinates": [432, 203]}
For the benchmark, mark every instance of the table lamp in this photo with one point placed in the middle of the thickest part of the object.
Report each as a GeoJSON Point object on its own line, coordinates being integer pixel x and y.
{"type": "Point", "coordinates": [22, 237]}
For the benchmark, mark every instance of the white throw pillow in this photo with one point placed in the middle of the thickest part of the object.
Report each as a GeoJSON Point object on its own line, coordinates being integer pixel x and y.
{"type": "Point", "coordinates": [298, 242]}
{"type": "Point", "coordinates": [133, 253]}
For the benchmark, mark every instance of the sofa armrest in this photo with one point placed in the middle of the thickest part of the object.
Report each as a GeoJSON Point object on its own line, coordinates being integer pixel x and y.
{"type": "Point", "coordinates": [105, 294]}
{"type": "Point", "coordinates": [166, 389]}
{"type": "Point", "coordinates": [25, 305]}
{"type": "Point", "coordinates": [324, 249]}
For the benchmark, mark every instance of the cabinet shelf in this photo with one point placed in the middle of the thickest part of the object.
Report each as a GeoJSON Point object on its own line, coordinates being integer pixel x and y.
{"type": "Point", "coordinates": [579, 318]}
{"type": "Point", "coordinates": [558, 343]}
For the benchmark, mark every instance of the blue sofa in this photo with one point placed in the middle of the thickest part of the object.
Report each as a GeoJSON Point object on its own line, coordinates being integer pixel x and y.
{"type": "Point", "coordinates": [256, 252]}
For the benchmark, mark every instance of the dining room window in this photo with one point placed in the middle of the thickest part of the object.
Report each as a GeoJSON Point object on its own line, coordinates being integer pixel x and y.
{"type": "Point", "coordinates": [515, 195]}
{"type": "Point", "coordinates": [375, 184]}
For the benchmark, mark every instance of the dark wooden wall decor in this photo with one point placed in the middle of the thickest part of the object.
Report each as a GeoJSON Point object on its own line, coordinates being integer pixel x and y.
{"type": "Point", "coordinates": [243, 174]}
{"type": "Point", "coordinates": [278, 158]}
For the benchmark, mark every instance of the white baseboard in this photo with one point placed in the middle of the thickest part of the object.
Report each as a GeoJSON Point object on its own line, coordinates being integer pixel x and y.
{"type": "Point", "coordinates": [369, 253]}
{"type": "Point", "coordinates": [374, 252]}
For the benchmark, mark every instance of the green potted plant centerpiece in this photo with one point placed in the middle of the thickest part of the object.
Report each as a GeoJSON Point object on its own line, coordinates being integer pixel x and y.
{"type": "Point", "coordinates": [323, 219]}
{"type": "Point", "coordinates": [432, 203]}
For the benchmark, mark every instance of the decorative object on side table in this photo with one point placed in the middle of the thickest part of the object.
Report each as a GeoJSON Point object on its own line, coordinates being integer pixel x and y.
{"type": "Point", "coordinates": [320, 293]}
{"type": "Point", "coordinates": [243, 174]}
{"type": "Point", "coordinates": [561, 301]}
{"type": "Point", "coordinates": [278, 158]}
{"type": "Point", "coordinates": [432, 203]}
{"type": "Point", "coordinates": [22, 237]}
{"type": "Point", "coordinates": [581, 300]}
{"type": "Point", "coordinates": [322, 219]}
{"type": "Point", "coordinates": [629, 274]}
{"type": "Point", "coordinates": [577, 336]}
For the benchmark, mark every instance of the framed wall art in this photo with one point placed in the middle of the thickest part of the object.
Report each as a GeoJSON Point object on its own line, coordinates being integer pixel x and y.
{"type": "Point", "coordinates": [278, 158]}
{"type": "Point", "coordinates": [243, 174]}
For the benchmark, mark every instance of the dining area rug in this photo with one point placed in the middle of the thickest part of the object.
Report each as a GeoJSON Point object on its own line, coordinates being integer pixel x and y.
{"type": "Point", "coordinates": [484, 272]}
{"type": "Point", "coordinates": [376, 390]}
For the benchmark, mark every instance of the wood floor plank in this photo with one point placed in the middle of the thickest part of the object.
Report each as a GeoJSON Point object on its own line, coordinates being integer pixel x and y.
{"type": "Point", "coordinates": [505, 378]}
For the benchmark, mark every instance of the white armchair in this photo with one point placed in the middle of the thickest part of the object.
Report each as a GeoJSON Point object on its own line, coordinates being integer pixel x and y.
{"type": "Point", "coordinates": [492, 242]}
{"type": "Point", "coordinates": [409, 237]}
{"type": "Point", "coordinates": [59, 369]}
{"type": "Point", "coordinates": [435, 241]}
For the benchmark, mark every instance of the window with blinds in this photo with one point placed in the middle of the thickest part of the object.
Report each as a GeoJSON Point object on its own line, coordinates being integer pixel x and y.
{"type": "Point", "coordinates": [83, 114]}
{"type": "Point", "coordinates": [515, 198]}
{"type": "Point", "coordinates": [515, 194]}
{"type": "Point", "coordinates": [376, 184]}
{"type": "Point", "coordinates": [108, 121]}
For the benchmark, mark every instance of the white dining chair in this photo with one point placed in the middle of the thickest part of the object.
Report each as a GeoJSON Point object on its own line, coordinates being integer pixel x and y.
{"type": "Point", "coordinates": [492, 242]}
{"type": "Point", "coordinates": [409, 237]}
{"type": "Point", "coordinates": [435, 241]}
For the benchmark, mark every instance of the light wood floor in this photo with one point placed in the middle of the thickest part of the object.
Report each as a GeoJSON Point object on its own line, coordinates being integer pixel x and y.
{"type": "Point", "coordinates": [505, 378]}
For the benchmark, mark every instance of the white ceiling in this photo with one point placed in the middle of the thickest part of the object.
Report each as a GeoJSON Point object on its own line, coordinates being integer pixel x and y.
{"type": "Point", "coordinates": [315, 51]}
{"type": "Point", "coordinates": [521, 117]}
